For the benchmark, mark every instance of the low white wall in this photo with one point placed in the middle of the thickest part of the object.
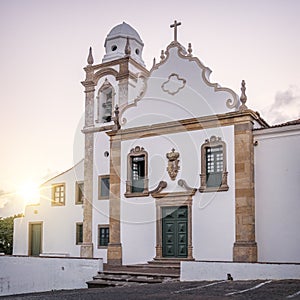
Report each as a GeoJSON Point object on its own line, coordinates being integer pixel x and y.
{"type": "Point", "coordinates": [197, 271]}
{"type": "Point", "coordinates": [24, 274]}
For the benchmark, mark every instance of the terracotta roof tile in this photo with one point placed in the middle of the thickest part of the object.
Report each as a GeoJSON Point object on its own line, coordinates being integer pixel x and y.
{"type": "Point", "coordinates": [293, 122]}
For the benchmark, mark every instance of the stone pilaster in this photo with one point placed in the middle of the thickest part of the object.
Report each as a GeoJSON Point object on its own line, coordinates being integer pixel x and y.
{"type": "Point", "coordinates": [123, 79]}
{"type": "Point", "coordinates": [114, 253]}
{"type": "Point", "coordinates": [158, 233]}
{"type": "Point", "coordinates": [245, 247]}
{"type": "Point", "coordinates": [123, 92]}
{"type": "Point", "coordinates": [190, 224]}
{"type": "Point", "coordinates": [86, 249]}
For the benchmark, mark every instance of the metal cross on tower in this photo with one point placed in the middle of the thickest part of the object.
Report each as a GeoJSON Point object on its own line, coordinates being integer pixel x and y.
{"type": "Point", "coordinates": [175, 29]}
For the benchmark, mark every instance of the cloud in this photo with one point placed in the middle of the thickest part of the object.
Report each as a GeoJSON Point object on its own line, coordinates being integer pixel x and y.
{"type": "Point", "coordinates": [286, 106]}
{"type": "Point", "coordinates": [3, 199]}
{"type": "Point", "coordinates": [10, 204]}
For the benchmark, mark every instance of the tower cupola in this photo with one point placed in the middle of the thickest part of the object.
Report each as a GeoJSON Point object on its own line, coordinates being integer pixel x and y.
{"type": "Point", "coordinates": [121, 38]}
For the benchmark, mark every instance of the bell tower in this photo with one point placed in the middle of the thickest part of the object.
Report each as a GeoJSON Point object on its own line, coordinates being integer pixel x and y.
{"type": "Point", "coordinates": [112, 83]}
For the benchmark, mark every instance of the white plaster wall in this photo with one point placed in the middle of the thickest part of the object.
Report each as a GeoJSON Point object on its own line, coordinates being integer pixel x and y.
{"type": "Point", "coordinates": [20, 236]}
{"type": "Point", "coordinates": [38, 274]}
{"type": "Point", "coordinates": [213, 213]}
{"type": "Point", "coordinates": [196, 99]}
{"type": "Point", "coordinates": [198, 271]}
{"type": "Point", "coordinates": [58, 222]}
{"type": "Point", "coordinates": [100, 217]}
{"type": "Point", "coordinates": [101, 163]}
{"type": "Point", "coordinates": [100, 207]}
{"type": "Point", "coordinates": [277, 194]}
{"type": "Point", "coordinates": [138, 230]}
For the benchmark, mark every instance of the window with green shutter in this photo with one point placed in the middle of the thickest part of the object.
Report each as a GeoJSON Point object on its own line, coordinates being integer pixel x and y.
{"type": "Point", "coordinates": [103, 236]}
{"type": "Point", "coordinates": [103, 187]}
{"type": "Point", "coordinates": [213, 166]}
{"type": "Point", "coordinates": [79, 233]}
{"type": "Point", "coordinates": [137, 173]}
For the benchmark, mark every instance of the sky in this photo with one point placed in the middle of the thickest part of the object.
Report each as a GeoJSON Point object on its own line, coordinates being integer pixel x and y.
{"type": "Point", "coordinates": [44, 47]}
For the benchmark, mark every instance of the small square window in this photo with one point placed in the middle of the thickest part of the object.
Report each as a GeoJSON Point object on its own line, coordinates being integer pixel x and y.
{"type": "Point", "coordinates": [79, 193]}
{"type": "Point", "coordinates": [79, 233]}
{"type": "Point", "coordinates": [103, 236]}
{"type": "Point", "coordinates": [58, 194]}
{"type": "Point", "coordinates": [103, 187]}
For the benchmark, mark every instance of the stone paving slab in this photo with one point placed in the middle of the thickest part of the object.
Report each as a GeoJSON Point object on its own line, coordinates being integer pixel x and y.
{"type": "Point", "coordinates": [213, 290]}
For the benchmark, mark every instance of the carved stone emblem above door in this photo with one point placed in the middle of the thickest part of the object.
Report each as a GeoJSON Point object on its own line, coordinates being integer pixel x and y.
{"type": "Point", "coordinates": [173, 164]}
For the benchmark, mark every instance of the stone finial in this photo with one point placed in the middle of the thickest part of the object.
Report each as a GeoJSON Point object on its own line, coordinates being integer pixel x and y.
{"type": "Point", "coordinates": [117, 125]}
{"type": "Point", "coordinates": [154, 62]}
{"type": "Point", "coordinates": [162, 55]}
{"type": "Point", "coordinates": [190, 50]}
{"type": "Point", "coordinates": [90, 59]}
{"type": "Point", "coordinates": [127, 47]}
{"type": "Point", "coordinates": [243, 97]}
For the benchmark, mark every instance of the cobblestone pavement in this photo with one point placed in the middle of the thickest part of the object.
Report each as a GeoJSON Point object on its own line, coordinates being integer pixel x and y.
{"type": "Point", "coordinates": [213, 290]}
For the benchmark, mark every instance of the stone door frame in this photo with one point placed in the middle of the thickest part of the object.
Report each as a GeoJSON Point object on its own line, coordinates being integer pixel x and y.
{"type": "Point", "coordinates": [175, 199]}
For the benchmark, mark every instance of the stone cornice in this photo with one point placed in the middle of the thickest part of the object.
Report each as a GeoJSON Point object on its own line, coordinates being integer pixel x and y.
{"type": "Point", "coordinates": [96, 129]}
{"type": "Point", "coordinates": [126, 59]}
{"type": "Point", "coordinates": [179, 195]}
{"type": "Point", "coordinates": [105, 72]}
{"type": "Point", "coordinates": [95, 72]}
{"type": "Point", "coordinates": [88, 84]}
{"type": "Point", "coordinates": [126, 75]}
{"type": "Point", "coordinates": [227, 119]}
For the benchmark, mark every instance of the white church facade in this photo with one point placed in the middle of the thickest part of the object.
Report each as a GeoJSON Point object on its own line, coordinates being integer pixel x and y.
{"type": "Point", "coordinates": [175, 168]}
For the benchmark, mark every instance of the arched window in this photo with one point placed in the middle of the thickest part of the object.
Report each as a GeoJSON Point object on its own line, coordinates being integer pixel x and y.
{"type": "Point", "coordinates": [137, 173]}
{"type": "Point", "coordinates": [213, 166]}
{"type": "Point", "coordinates": [105, 102]}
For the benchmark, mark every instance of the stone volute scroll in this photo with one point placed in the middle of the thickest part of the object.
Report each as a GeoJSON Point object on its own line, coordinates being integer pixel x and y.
{"type": "Point", "coordinates": [161, 185]}
{"type": "Point", "coordinates": [173, 164]}
{"type": "Point", "coordinates": [183, 184]}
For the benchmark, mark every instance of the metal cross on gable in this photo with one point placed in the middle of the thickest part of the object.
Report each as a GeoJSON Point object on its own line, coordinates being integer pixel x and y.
{"type": "Point", "coordinates": [175, 25]}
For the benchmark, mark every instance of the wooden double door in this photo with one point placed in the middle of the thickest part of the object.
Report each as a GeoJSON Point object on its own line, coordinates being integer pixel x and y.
{"type": "Point", "coordinates": [175, 232]}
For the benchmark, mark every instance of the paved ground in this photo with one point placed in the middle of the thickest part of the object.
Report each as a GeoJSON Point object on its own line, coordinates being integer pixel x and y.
{"type": "Point", "coordinates": [213, 290]}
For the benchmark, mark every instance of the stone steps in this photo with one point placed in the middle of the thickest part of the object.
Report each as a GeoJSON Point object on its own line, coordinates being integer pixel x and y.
{"type": "Point", "coordinates": [133, 275]}
{"type": "Point", "coordinates": [170, 263]}
{"type": "Point", "coordinates": [150, 267]}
